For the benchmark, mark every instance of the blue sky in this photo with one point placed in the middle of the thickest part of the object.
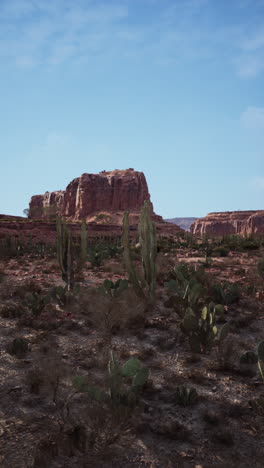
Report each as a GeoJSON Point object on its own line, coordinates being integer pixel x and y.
{"type": "Point", "coordinates": [173, 88]}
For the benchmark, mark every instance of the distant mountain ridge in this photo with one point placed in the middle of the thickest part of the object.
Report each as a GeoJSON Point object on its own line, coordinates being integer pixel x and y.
{"type": "Point", "coordinates": [184, 223]}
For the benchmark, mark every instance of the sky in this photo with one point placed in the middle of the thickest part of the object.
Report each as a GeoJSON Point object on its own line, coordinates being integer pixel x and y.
{"type": "Point", "coordinates": [173, 88]}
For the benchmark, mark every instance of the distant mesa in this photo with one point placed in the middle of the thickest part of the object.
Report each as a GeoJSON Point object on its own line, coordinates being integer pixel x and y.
{"type": "Point", "coordinates": [98, 198]}
{"type": "Point", "coordinates": [230, 222]}
{"type": "Point", "coordinates": [184, 223]}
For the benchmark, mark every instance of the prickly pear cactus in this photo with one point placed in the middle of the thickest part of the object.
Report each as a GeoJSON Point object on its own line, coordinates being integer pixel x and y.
{"type": "Point", "coordinates": [111, 289]}
{"type": "Point", "coordinates": [202, 331]}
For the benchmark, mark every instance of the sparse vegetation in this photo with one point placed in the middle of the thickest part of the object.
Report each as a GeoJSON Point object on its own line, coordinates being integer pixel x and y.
{"type": "Point", "coordinates": [116, 365]}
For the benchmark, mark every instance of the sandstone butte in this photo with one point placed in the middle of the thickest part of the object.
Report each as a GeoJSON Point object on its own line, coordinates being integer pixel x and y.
{"type": "Point", "coordinates": [101, 199]}
{"type": "Point", "coordinates": [230, 222]}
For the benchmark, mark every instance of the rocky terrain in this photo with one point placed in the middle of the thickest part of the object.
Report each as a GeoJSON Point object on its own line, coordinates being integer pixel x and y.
{"type": "Point", "coordinates": [245, 223]}
{"type": "Point", "coordinates": [48, 348]}
{"type": "Point", "coordinates": [133, 354]}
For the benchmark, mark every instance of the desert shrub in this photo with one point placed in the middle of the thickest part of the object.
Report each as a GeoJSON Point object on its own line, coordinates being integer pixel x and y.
{"type": "Point", "coordinates": [225, 293]}
{"type": "Point", "coordinates": [16, 247]}
{"type": "Point", "coordinates": [36, 302]}
{"type": "Point", "coordinates": [250, 244]}
{"type": "Point", "coordinates": [258, 404]}
{"type": "Point", "coordinates": [96, 431]}
{"type": "Point", "coordinates": [18, 347]}
{"type": "Point", "coordinates": [28, 287]}
{"type": "Point", "coordinates": [34, 379]}
{"type": "Point", "coordinates": [11, 310]}
{"type": "Point", "coordinates": [227, 354]}
{"type": "Point", "coordinates": [47, 374]}
{"type": "Point", "coordinates": [260, 268]}
{"type": "Point", "coordinates": [239, 243]}
{"type": "Point", "coordinates": [111, 313]}
{"type": "Point", "coordinates": [185, 396]}
{"type": "Point", "coordinates": [220, 251]}
{"type": "Point", "coordinates": [123, 383]}
{"type": "Point", "coordinates": [2, 275]}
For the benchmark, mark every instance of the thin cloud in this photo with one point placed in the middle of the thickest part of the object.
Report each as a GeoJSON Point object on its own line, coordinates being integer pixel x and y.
{"type": "Point", "coordinates": [257, 183]}
{"type": "Point", "coordinates": [39, 32]}
{"type": "Point", "coordinates": [253, 118]}
{"type": "Point", "coordinates": [255, 42]}
{"type": "Point", "coordinates": [249, 66]}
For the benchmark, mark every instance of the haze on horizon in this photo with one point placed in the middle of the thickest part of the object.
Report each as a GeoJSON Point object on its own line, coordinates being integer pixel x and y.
{"type": "Point", "coordinates": [173, 88]}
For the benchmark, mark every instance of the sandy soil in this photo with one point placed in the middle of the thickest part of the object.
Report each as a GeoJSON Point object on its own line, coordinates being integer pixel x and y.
{"type": "Point", "coordinates": [45, 423]}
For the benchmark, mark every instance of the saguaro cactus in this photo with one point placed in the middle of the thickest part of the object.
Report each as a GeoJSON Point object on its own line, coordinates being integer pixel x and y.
{"type": "Point", "coordinates": [148, 243]}
{"type": "Point", "coordinates": [132, 274]}
{"type": "Point", "coordinates": [68, 265]}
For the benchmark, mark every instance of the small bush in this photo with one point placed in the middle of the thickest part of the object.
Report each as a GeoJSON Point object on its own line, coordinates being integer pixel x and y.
{"type": "Point", "coordinates": [225, 293]}
{"type": "Point", "coordinates": [260, 268]}
{"type": "Point", "coordinates": [220, 251]}
{"type": "Point", "coordinates": [18, 347]}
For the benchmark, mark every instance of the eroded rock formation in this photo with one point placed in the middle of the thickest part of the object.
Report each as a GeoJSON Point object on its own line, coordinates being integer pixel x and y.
{"type": "Point", "coordinates": [90, 194]}
{"type": "Point", "coordinates": [100, 199]}
{"type": "Point", "coordinates": [230, 222]}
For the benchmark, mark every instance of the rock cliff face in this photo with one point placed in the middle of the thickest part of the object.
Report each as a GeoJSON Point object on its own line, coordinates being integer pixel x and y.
{"type": "Point", "coordinates": [101, 199]}
{"type": "Point", "coordinates": [108, 191]}
{"type": "Point", "coordinates": [89, 194]}
{"type": "Point", "coordinates": [47, 205]}
{"type": "Point", "coordinates": [230, 222]}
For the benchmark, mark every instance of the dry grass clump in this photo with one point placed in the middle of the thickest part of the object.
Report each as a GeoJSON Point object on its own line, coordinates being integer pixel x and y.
{"type": "Point", "coordinates": [114, 267]}
{"type": "Point", "coordinates": [28, 286]}
{"type": "Point", "coordinates": [2, 275]}
{"type": "Point", "coordinates": [48, 371]}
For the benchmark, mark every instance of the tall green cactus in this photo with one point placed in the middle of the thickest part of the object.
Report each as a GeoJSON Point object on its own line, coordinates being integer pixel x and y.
{"type": "Point", "coordinates": [68, 264]}
{"type": "Point", "coordinates": [132, 274]}
{"type": "Point", "coordinates": [148, 243]}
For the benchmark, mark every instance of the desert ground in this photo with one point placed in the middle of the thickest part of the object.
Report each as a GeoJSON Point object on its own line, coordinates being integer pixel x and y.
{"type": "Point", "coordinates": [196, 409]}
